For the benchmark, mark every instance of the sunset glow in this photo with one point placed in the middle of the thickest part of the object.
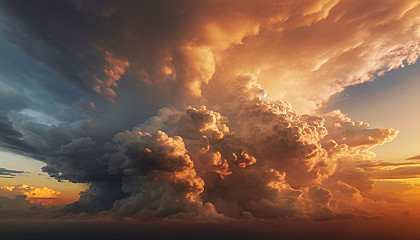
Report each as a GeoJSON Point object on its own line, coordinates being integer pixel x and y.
{"type": "Point", "coordinates": [43, 196]}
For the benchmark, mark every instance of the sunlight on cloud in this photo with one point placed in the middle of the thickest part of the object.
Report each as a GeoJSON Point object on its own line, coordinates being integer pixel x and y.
{"type": "Point", "coordinates": [238, 85]}
{"type": "Point", "coordinates": [42, 196]}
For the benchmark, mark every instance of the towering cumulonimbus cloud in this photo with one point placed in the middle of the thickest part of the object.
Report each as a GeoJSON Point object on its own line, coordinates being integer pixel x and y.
{"type": "Point", "coordinates": [238, 83]}
{"type": "Point", "coordinates": [260, 160]}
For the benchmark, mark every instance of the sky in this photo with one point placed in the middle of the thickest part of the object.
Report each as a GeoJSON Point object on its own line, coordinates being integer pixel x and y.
{"type": "Point", "coordinates": [371, 102]}
{"type": "Point", "coordinates": [210, 112]}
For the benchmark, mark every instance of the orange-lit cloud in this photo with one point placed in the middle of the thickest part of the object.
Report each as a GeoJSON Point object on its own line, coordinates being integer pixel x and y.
{"type": "Point", "coordinates": [304, 166]}
{"type": "Point", "coordinates": [317, 48]}
{"type": "Point", "coordinates": [414, 158]}
{"type": "Point", "coordinates": [391, 170]}
{"type": "Point", "coordinates": [112, 74]}
{"type": "Point", "coordinates": [322, 48]}
{"type": "Point", "coordinates": [42, 195]}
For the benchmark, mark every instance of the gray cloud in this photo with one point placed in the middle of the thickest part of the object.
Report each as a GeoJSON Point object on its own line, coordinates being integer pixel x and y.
{"type": "Point", "coordinates": [9, 173]}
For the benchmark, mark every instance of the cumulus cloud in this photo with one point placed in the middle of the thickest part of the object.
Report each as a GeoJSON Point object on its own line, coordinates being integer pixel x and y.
{"type": "Point", "coordinates": [237, 83]}
{"type": "Point", "coordinates": [35, 195]}
{"type": "Point", "coordinates": [198, 163]}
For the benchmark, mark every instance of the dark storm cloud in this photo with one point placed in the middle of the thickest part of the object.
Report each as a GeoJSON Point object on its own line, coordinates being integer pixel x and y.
{"type": "Point", "coordinates": [101, 195]}
{"type": "Point", "coordinates": [79, 40]}
{"type": "Point", "coordinates": [11, 139]}
{"type": "Point", "coordinates": [73, 41]}
{"type": "Point", "coordinates": [52, 60]}
{"type": "Point", "coordinates": [9, 173]}
{"type": "Point", "coordinates": [26, 84]}
{"type": "Point", "coordinates": [78, 161]}
{"type": "Point", "coordinates": [57, 42]}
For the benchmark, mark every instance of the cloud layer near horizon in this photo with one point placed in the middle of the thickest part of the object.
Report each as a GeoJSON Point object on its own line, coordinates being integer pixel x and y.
{"type": "Point", "coordinates": [226, 141]}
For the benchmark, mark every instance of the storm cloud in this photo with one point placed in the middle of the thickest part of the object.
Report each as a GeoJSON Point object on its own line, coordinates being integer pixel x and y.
{"type": "Point", "coordinates": [236, 86]}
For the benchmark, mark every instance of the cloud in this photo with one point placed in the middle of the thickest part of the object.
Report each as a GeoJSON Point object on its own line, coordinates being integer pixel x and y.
{"type": "Point", "coordinates": [414, 158]}
{"type": "Point", "coordinates": [236, 86]}
{"type": "Point", "coordinates": [7, 173]}
{"type": "Point", "coordinates": [398, 173]}
{"type": "Point", "coordinates": [182, 163]}
{"type": "Point", "coordinates": [19, 207]}
{"type": "Point", "coordinates": [324, 49]}
{"type": "Point", "coordinates": [112, 74]}
{"type": "Point", "coordinates": [16, 203]}
{"type": "Point", "coordinates": [390, 170]}
{"type": "Point", "coordinates": [183, 47]}
{"type": "Point", "coordinates": [393, 186]}
{"type": "Point", "coordinates": [35, 195]}
{"type": "Point", "coordinates": [376, 164]}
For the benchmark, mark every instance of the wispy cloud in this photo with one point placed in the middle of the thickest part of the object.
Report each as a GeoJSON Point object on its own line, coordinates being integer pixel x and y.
{"type": "Point", "coordinates": [398, 173]}
{"type": "Point", "coordinates": [414, 158]}
{"type": "Point", "coordinates": [391, 170]}
{"type": "Point", "coordinates": [7, 173]}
